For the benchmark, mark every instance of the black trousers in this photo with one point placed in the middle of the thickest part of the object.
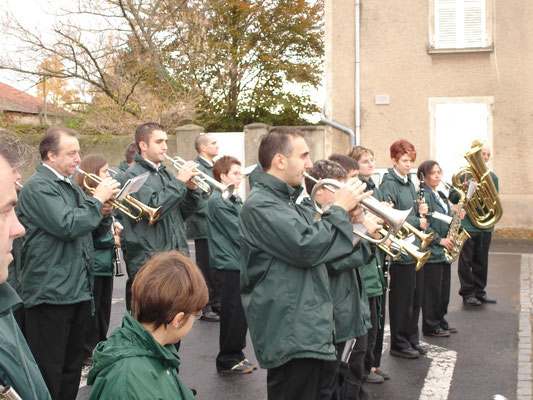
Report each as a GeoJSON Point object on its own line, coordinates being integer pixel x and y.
{"type": "Point", "coordinates": [473, 264]}
{"type": "Point", "coordinates": [433, 296]}
{"type": "Point", "coordinates": [202, 259]}
{"type": "Point", "coordinates": [303, 379]}
{"type": "Point", "coordinates": [405, 302]}
{"type": "Point", "coordinates": [445, 294]}
{"type": "Point", "coordinates": [351, 375]}
{"type": "Point", "coordinates": [380, 335]}
{"type": "Point", "coordinates": [98, 324]}
{"type": "Point", "coordinates": [372, 333]}
{"type": "Point", "coordinates": [233, 326]}
{"type": "Point", "coordinates": [55, 336]}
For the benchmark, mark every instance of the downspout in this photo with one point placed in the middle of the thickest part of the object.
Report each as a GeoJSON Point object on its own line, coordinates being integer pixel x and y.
{"type": "Point", "coordinates": [357, 74]}
{"type": "Point", "coordinates": [338, 126]}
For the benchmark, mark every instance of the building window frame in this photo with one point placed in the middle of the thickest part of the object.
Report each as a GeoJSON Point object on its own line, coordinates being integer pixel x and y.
{"type": "Point", "coordinates": [461, 45]}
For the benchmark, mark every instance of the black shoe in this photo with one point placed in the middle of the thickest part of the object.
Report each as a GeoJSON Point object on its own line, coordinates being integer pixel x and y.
{"type": "Point", "coordinates": [451, 329]}
{"type": "Point", "coordinates": [382, 373]}
{"type": "Point", "coordinates": [210, 316]}
{"type": "Point", "coordinates": [439, 332]}
{"type": "Point", "coordinates": [88, 362]}
{"type": "Point", "coordinates": [374, 378]}
{"type": "Point", "coordinates": [407, 353]}
{"type": "Point", "coordinates": [485, 299]}
{"type": "Point", "coordinates": [471, 301]}
{"type": "Point", "coordinates": [251, 364]}
{"type": "Point", "coordinates": [420, 349]}
{"type": "Point", "coordinates": [240, 368]}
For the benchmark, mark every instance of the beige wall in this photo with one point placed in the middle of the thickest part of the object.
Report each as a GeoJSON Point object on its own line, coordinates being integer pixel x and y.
{"type": "Point", "coordinates": [395, 61]}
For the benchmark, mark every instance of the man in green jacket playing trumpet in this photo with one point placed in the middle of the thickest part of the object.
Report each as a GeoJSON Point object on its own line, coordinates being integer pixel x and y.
{"type": "Point", "coordinates": [284, 280]}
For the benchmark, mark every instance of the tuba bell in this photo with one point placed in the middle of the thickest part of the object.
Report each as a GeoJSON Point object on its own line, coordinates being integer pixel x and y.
{"type": "Point", "coordinates": [484, 208]}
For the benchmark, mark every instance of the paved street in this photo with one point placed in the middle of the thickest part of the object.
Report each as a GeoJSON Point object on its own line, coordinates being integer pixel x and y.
{"type": "Point", "coordinates": [482, 359]}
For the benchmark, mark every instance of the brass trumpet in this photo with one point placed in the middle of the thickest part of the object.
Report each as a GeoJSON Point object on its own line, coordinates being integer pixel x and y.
{"type": "Point", "coordinates": [394, 218]}
{"type": "Point", "coordinates": [203, 181]}
{"type": "Point", "coordinates": [425, 238]}
{"type": "Point", "coordinates": [140, 208]}
{"type": "Point", "coordinates": [420, 257]}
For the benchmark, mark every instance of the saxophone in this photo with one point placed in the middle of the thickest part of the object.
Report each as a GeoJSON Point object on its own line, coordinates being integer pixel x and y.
{"type": "Point", "coordinates": [459, 236]}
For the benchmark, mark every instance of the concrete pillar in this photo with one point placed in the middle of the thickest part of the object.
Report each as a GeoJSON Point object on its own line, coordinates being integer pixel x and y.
{"type": "Point", "coordinates": [185, 136]}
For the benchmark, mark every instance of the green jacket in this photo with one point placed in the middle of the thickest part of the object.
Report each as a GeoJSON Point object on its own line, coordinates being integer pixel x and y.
{"type": "Point", "coordinates": [18, 368]}
{"type": "Point", "coordinates": [197, 224]}
{"type": "Point", "coordinates": [167, 233]}
{"type": "Point", "coordinates": [123, 167]}
{"type": "Point", "coordinates": [403, 195]}
{"type": "Point", "coordinates": [284, 281]}
{"type": "Point", "coordinates": [131, 364]}
{"type": "Point", "coordinates": [439, 228]}
{"type": "Point", "coordinates": [370, 185]}
{"type": "Point", "coordinates": [467, 222]}
{"type": "Point", "coordinates": [57, 249]}
{"type": "Point", "coordinates": [223, 231]}
{"type": "Point", "coordinates": [104, 253]}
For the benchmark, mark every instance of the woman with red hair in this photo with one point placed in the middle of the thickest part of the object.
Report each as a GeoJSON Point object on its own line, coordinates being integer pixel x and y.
{"type": "Point", "coordinates": [406, 285]}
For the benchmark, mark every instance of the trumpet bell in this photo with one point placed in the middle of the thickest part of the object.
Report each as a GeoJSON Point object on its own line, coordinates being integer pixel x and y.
{"type": "Point", "coordinates": [228, 191]}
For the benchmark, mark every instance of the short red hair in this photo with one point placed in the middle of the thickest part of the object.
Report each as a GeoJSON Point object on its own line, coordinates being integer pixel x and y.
{"type": "Point", "coordinates": [401, 147]}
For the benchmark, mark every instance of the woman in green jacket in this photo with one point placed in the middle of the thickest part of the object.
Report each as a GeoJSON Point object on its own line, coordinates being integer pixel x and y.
{"type": "Point", "coordinates": [406, 285]}
{"type": "Point", "coordinates": [103, 241]}
{"type": "Point", "coordinates": [437, 271]}
{"type": "Point", "coordinates": [139, 360]}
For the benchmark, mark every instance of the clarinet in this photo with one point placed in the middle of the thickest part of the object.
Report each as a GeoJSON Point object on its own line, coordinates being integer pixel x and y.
{"type": "Point", "coordinates": [422, 191]}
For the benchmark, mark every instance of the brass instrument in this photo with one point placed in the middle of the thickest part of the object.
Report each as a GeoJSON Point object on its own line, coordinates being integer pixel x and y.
{"type": "Point", "coordinates": [8, 393]}
{"type": "Point", "coordinates": [394, 218]}
{"type": "Point", "coordinates": [425, 238]}
{"type": "Point", "coordinates": [420, 257]}
{"type": "Point", "coordinates": [459, 236]}
{"type": "Point", "coordinates": [203, 181]}
{"type": "Point", "coordinates": [484, 208]}
{"type": "Point", "coordinates": [140, 208]}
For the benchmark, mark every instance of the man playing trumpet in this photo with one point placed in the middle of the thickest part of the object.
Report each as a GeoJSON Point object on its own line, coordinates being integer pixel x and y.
{"type": "Point", "coordinates": [176, 194]}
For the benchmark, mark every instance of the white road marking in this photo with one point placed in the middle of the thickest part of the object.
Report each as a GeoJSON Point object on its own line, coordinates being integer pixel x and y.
{"type": "Point", "coordinates": [84, 371]}
{"type": "Point", "coordinates": [439, 377]}
{"type": "Point", "coordinates": [115, 300]}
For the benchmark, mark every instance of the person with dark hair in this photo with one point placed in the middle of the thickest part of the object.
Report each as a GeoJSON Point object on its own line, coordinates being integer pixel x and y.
{"type": "Point", "coordinates": [474, 258]}
{"type": "Point", "coordinates": [176, 194]}
{"type": "Point", "coordinates": [207, 148]}
{"type": "Point", "coordinates": [57, 255]}
{"type": "Point", "coordinates": [223, 238]}
{"type": "Point", "coordinates": [437, 271]}
{"type": "Point", "coordinates": [18, 368]}
{"type": "Point", "coordinates": [129, 160]}
{"type": "Point", "coordinates": [104, 242]}
{"type": "Point", "coordinates": [348, 163]}
{"type": "Point", "coordinates": [284, 281]}
{"type": "Point", "coordinates": [374, 277]}
{"type": "Point", "coordinates": [406, 284]}
{"type": "Point", "coordinates": [139, 360]}
{"type": "Point", "coordinates": [350, 302]}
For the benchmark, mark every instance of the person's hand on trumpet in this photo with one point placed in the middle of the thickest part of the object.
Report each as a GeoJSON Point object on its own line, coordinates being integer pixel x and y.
{"type": "Point", "coordinates": [188, 171]}
{"type": "Point", "coordinates": [373, 224]}
{"type": "Point", "coordinates": [106, 190]}
{"type": "Point", "coordinates": [351, 194]}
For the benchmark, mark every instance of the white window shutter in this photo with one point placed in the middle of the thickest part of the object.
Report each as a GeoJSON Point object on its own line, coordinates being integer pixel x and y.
{"type": "Point", "coordinates": [460, 24]}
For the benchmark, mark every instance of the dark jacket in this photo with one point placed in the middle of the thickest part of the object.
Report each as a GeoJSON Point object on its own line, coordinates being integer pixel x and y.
{"type": "Point", "coordinates": [104, 253]}
{"type": "Point", "coordinates": [467, 222]}
{"type": "Point", "coordinates": [57, 249]}
{"type": "Point", "coordinates": [439, 228]}
{"type": "Point", "coordinates": [196, 223]}
{"type": "Point", "coordinates": [168, 233]}
{"type": "Point", "coordinates": [404, 196]}
{"type": "Point", "coordinates": [131, 364]}
{"type": "Point", "coordinates": [223, 231]}
{"type": "Point", "coordinates": [284, 281]}
{"type": "Point", "coordinates": [17, 365]}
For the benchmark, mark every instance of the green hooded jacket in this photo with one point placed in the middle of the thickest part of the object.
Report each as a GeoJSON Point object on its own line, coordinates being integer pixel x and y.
{"type": "Point", "coordinates": [196, 223]}
{"type": "Point", "coordinates": [167, 233]}
{"type": "Point", "coordinates": [57, 249]}
{"type": "Point", "coordinates": [103, 254]}
{"type": "Point", "coordinates": [223, 231]}
{"type": "Point", "coordinates": [439, 228]}
{"type": "Point", "coordinates": [467, 222]}
{"type": "Point", "coordinates": [284, 280]}
{"type": "Point", "coordinates": [403, 195]}
{"type": "Point", "coordinates": [18, 368]}
{"type": "Point", "coordinates": [131, 364]}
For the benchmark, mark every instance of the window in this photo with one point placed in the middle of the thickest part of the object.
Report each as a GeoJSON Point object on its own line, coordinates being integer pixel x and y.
{"type": "Point", "coordinates": [460, 25]}
{"type": "Point", "coordinates": [455, 123]}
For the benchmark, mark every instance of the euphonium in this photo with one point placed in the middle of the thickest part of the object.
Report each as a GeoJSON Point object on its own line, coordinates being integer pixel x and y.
{"type": "Point", "coordinates": [140, 208]}
{"type": "Point", "coordinates": [203, 180]}
{"type": "Point", "coordinates": [484, 208]}
{"type": "Point", "coordinates": [393, 218]}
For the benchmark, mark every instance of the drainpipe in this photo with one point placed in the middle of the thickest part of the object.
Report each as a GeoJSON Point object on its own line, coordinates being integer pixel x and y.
{"type": "Point", "coordinates": [357, 74]}
{"type": "Point", "coordinates": [340, 127]}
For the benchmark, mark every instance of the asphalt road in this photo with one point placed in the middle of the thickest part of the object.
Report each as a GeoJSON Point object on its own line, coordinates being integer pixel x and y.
{"type": "Point", "coordinates": [478, 361]}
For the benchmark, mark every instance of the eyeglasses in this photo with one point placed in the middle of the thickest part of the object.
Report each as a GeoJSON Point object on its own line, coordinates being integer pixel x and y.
{"type": "Point", "coordinates": [236, 173]}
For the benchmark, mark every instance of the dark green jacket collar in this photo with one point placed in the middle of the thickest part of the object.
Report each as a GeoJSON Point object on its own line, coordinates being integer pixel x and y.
{"type": "Point", "coordinates": [147, 165]}
{"type": "Point", "coordinates": [204, 162]}
{"type": "Point", "coordinates": [277, 186]}
{"type": "Point", "coordinates": [9, 299]}
{"type": "Point", "coordinates": [45, 171]}
{"type": "Point", "coordinates": [123, 166]}
{"type": "Point", "coordinates": [392, 174]}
